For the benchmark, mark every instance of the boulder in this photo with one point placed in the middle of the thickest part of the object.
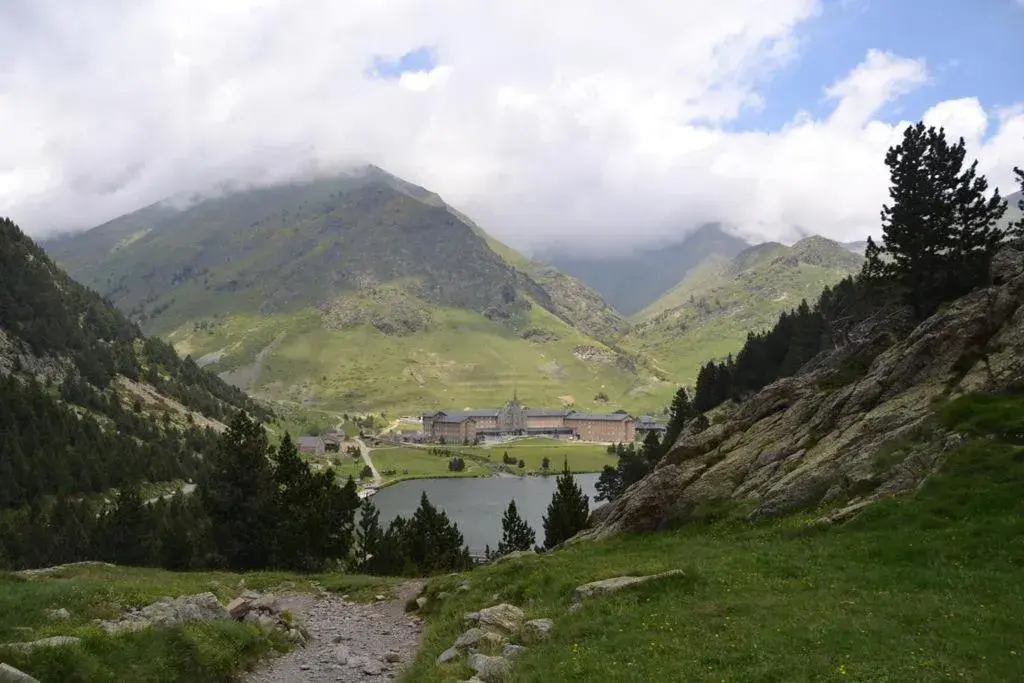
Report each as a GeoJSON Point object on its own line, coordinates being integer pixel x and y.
{"type": "Point", "coordinates": [476, 637]}
{"type": "Point", "coordinates": [515, 555]}
{"type": "Point", "coordinates": [168, 612]}
{"type": "Point", "coordinates": [238, 608]}
{"type": "Point", "coordinates": [449, 655]}
{"type": "Point", "coordinates": [589, 590]}
{"type": "Point", "coordinates": [538, 629]}
{"type": "Point", "coordinates": [511, 651]}
{"type": "Point", "coordinates": [490, 669]}
{"type": "Point", "coordinates": [504, 617]}
{"type": "Point", "coordinates": [52, 641]}
{"type": "Point", "coordinates": [59, 614]}
{"type": "Point", "coordinates": [421, 602]}
{"type": "Point", "coordinates": [8, 674]}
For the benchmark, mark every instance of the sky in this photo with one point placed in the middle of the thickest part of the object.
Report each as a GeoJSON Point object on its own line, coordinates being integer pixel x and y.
{"type": "Point", "coordinates": [592, 124]}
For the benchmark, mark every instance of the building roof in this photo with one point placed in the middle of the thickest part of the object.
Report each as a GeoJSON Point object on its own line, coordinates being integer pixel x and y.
{"type": "Point", "coordinates": [453, 418]}
{"type": "Point", "coordinates": [309, 441]}
{"type": "Point", "coordinates": [613, 417]}
{"type": "Point", "coordinates": [647, 420]}
{"type": "Point", "coordinates": [545, 412]}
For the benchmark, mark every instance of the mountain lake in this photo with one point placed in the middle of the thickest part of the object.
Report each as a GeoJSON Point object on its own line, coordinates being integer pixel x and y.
{"type": "Point", "coordinates": [477, 504]}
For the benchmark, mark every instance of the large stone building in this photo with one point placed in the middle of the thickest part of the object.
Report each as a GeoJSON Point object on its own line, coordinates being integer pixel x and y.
{"type": "Point", "coordinates": [515, 419]}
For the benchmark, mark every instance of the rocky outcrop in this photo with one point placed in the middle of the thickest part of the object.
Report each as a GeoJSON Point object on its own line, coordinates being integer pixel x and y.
{"type": "Point", "coordinates": [8, 674]}
{"type": "Point", "coordinates": [596, 588]}
{"type": "Point", "coordinates": [168, 612]}
{"type": "Point", "coordinates": [828, 433]}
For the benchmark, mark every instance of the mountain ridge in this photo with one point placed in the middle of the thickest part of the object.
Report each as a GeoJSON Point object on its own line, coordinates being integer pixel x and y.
{"type": "Point", "coordinates": [250, 281]}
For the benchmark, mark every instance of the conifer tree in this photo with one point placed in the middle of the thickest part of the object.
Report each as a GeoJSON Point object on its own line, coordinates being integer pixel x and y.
{"type": "Point", "coordinates": [940, 230]}
{"type": "Point", "coordinates": [516, 534]}
{"type": "Point", "coordinates": [680, 411]}
{"type": "Point", "coordinates": [1017, 228]}
{"type": "Point", "coordinates": [369, 533]}
{"type": "Point", "coordinates": [238, 495]}
{"type": "Point", "coordinates": [567, 512]}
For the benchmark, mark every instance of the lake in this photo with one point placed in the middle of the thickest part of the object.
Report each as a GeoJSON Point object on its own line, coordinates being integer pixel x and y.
{"type": "Point", "coordinates": [477, 504]}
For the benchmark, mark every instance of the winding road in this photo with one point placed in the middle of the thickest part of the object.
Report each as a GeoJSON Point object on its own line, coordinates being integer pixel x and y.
{"type": "Point", "coordinates": [364, 451]}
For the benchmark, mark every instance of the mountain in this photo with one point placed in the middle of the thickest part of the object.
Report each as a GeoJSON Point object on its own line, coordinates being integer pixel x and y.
{"type": "Point", "coordinates": [284, 290]}
{"type": "Point", "coordinates": [869, 419]}
{"type": "Point", "coordinates": [87, 402]}
{"type": "Point", "coordinates": [709, 313]}
{"type": "Point", "coordinates": [631, 281]}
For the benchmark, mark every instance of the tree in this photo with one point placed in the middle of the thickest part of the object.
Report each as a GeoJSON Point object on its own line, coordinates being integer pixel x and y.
{"type": "Point", "coordinates": [369, 534]}
{"type": "Point", "coordinates": [239, 495]}
{"type": "Point", "coordinates": [567, 512]}
{"type": "Point", "coordinates": [1017, 228]}
{"type": "Point", "coordinates": [545, 464]}
{"type": "Point", "coordinates": [680, 411]}
{"type": "Point", "coordinates": [651, 451]}
{"type": "Point", "coordinates": [940, 231]}
{"type": "Point", "coordinates": [521, 464]}
{"type": "Point", "coordinates": [516, 534]}
{"type": "Point", "coordinates": [366, 472]}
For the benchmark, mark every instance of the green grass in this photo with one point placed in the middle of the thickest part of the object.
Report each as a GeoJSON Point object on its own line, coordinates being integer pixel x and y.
{"type": "Point", "coordinates": [211, 651]}
{"type": "Point", "coordinates": [923, 587]}
{"type": "Point", "coordinates": [462, 360]}
{"type": "Point", "coordinates": [419, 463]}
{"type": "Point", "coordinates": [581, 457]}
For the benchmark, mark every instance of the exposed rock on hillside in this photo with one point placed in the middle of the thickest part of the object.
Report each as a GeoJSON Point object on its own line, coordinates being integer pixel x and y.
{"type": "Point", "coordinates": [833, 432]}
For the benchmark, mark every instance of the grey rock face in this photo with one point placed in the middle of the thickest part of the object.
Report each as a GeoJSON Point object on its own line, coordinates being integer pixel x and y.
{"type": "Point", "coordinates": [449, 655]}
{"type": "Point", "coordinates": [52, 641]}
{"type": "Point", "coordinates": [811, 438]}
{"type": "Point", "coordinates": [504, 617]}
{"type": "Point", "coordinates": [511, 651]}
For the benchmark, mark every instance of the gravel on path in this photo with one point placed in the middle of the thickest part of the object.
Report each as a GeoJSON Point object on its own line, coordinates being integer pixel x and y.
{"type": "Point", "coordinates": [349, 641]}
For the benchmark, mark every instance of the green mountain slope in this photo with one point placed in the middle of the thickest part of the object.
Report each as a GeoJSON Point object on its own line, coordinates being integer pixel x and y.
{"type": "Point", "coordinates": [632, 281]}
{"type": "Point", "coordinates": [356, 292]}
{"type": "Point", "coordinates": [711, 311]}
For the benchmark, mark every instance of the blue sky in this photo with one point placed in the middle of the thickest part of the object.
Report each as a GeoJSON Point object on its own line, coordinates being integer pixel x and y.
{"type": "Point", "coordinates": [421, 58]}
{"type": "Point", "coordinates": [973, 48]}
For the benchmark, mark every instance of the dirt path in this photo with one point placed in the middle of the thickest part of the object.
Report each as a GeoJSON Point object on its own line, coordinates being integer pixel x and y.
{"type": "Point", "coordinates": [365, 452]}
{"type": "Point", "coordinates": [349, 642]}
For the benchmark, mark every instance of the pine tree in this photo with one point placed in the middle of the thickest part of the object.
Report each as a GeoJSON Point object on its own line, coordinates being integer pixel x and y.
{"type": "Point", "coordinates": [680, 411]}
{"type": "Point", "coordinates": [1017, 228]}
{"type": "Point", "coordinates": [940, 231]}
{"type": "Point", "coordinates": [238, 495]}
{"type": "Point", "coordinates": [651, 451]}
{"type": "Point", "coordinates": [516, 534]}
{"type": "Point", "coordinates": [369, 534]}
{"type": "Point", "coordinates": [567, 512]}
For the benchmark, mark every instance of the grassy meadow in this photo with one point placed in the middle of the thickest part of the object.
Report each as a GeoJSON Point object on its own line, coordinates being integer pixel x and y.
{"type": "Point", "coordinates": [923, 587]}
{"type": "Point", "coordinates": [201, 651]}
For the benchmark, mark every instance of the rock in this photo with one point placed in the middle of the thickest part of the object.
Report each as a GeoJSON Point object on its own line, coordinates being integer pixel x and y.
{"type": "Point", "coordinates": [471, 617]}
{"type": "Point", "coordinates": [463, 587]}
{"type": "Point", "coordinates": [8, 674]}
{"type": "Point", "coordinates": [538, 629]}
{"type": "Point", "coordinates": [511, 651]}
{"type": "Point", "coordinates": [372, 667]}
{"type": "Point", "coordinates": [392, 657]}
{"type": "Point", "coordinates": [449, 655]}
{"type": "Point", "coordinates": [266, 602]}
{"type": "Point", "coordinates": [341, 654]}
{"type": "Point", "coordinates": [52, 641]}
{"type": "Point", "coordinates": [589, 590]}
{"type": "Point", "coordinates": [505, 617]}
{"type": "Point", "coordinates": [295, 636]}
{"type": "Point", "coordinates": [378, 598]}
{"type": "Point", "coordinates": [477, 637]}
{"type": "Point", "coordinates": [575, 607]}
{"type": "Point", "coordinates": [239, 608]}
{"type": "Point", "coordinates": [421, 602]}
{"type": "Point", "coordinates": [170, 611]}
{"type": "Point", "coordinates": [355, 662]}
{"type": "Point", "coordinates": [515, 555]}
{"type": "Point", "coordinates": [444, 595]}
{"type": "Point", "coordinates": [490, 669]}
{"type": "Point", "coordinates": [59, 614]}
{"type": "Point", "coordinates": [305, 667]}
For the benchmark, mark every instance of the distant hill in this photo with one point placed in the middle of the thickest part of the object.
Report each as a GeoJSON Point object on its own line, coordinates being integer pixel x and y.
{"type": "Point", "coordinates": [87, 402]}
{"type": "Point", "coordinates": [709, 313]}
{"type": "Point", "coordinates": [286, 290]}
{"type": "Point", "coordinates": [630, 282]}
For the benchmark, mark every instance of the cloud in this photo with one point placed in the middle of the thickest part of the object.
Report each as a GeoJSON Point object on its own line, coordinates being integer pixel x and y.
{"type": "Point", "coordinates": [546, 122]}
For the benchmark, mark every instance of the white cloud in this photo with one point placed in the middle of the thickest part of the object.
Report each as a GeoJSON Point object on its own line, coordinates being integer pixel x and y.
{"type": "Point", "coordinates": [544, 121]}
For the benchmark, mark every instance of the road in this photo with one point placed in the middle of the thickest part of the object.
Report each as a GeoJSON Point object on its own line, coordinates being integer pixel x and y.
{"type": "Point", "coordinates": [365, 452]}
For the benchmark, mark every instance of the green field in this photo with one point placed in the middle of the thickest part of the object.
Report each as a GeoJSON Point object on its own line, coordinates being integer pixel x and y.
{"type": "Point", "coordinates": [418, 463]}
{"type": "Point", "coordinates": [200, 651]}
{"type": "Point", "coordinates": [582, 457]}
{"type": "Point", "coordinates": [463, 359]}
{"type": "Point", "coordinates": [925, 587]}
